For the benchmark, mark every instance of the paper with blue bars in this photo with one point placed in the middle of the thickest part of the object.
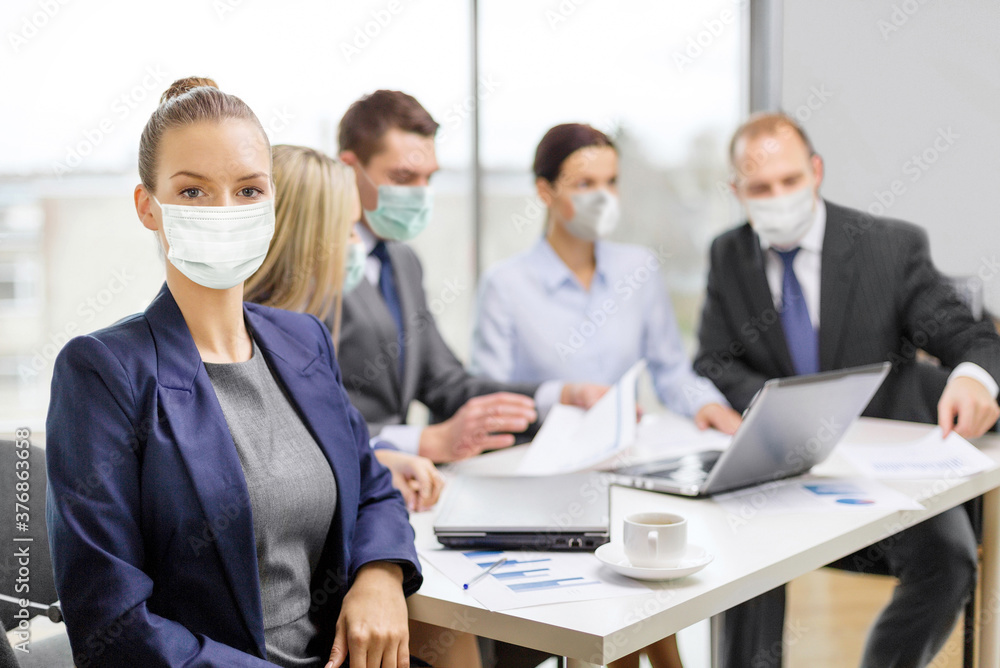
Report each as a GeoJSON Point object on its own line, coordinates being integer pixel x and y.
{"type": "Point", "coordinates": [531, 578]}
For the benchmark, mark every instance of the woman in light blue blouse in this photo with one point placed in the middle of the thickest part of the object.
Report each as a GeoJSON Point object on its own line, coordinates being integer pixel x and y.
{"type": "Point", "coordinates": [577, 307]}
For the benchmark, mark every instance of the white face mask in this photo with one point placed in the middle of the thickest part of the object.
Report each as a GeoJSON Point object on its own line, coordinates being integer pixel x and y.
{"type": "Point", "coordinates": [596, 216]}
{"type": "Point", "coordinates": [782, 221]}
{"type": "Point", "coordinates": [218, 247]}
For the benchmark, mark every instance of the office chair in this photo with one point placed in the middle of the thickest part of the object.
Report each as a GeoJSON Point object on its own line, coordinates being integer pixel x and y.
{"type": "Point", "coordinates": [51, 652]}
{"type": "Point", "coordinates": [7, 659]}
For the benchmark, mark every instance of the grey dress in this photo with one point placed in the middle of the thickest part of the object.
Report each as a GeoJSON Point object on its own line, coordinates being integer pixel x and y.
{"type": "Point", "coordinates": [293, 495]}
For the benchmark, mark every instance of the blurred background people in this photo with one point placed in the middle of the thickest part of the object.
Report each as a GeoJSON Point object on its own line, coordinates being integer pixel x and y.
{"type": "Point", "coordinates": [391, 351]}
{"type": "Point", "coordinates": [313, 261]}
{"type": "Point", "coordinates": [579, 307]}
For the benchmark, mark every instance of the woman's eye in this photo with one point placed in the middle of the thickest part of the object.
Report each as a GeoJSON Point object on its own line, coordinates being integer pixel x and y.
{"type": "Point", "coordinates": [249, 192]}
{"type": "Point", "coordinates": [190, 193]}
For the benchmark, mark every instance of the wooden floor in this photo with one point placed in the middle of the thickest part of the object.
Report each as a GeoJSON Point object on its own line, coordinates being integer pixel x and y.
{"type": "Point", "coordinates": [829, 613]}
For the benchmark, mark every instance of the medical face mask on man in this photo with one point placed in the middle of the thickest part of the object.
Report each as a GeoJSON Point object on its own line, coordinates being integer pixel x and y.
{"type": "Point", "coordinates": [354, 267]}
{"type": "Point", "coordinates": [782, 221]}
{"type": "Point", "coordinates": [218, 247]}
{"type": "Point", "coordinates": [596, 215]}
{"type": "Point", "coordinates": [402, 212]}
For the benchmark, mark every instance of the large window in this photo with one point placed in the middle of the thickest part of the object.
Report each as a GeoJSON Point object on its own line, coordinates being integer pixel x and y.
{"type": "Point", "coordinates": [665, 78]}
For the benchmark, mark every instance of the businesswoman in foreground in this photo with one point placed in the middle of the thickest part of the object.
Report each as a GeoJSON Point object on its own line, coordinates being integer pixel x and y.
{"type": "Point", "coordinates": [212, 498]}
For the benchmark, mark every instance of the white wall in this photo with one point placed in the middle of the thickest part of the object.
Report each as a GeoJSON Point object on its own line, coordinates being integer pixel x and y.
{"type": "Point", "coordinates": [888, 79]}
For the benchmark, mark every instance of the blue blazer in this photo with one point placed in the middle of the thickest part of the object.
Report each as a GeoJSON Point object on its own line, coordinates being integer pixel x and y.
{"type": "Point", "coordinates": [148, 511]}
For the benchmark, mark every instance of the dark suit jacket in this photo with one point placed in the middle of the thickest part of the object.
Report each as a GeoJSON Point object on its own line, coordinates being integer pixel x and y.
{"type": "Point", "coordinates": [369, 353]}
{"type": "Point", "coordinates": [148, 512]}
{"type": "Point", "coordinates": [880, 299]}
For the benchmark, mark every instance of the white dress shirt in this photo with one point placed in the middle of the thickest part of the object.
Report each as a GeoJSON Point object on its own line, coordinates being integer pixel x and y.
{"type": "Point", "coordinates": [808, 269]}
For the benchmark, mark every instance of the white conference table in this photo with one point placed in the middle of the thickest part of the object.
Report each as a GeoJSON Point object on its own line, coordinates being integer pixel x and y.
{"type": "Point", "coordinates": [752, 556]}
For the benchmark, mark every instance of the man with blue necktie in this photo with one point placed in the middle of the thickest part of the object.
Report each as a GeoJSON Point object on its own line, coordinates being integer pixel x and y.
{"type": "Point", "coordinates": [806, 286]}
{"type": "Point", "coordinates": [391, 352]}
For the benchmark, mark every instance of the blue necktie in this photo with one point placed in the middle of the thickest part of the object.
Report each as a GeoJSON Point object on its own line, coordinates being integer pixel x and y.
{"type": "Point", "coordinates": [387, 286]}
{"type": "Point", "coordinates": [803, 341]}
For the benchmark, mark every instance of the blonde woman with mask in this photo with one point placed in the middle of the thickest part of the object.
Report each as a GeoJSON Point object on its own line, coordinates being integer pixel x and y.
{"type": "Point", "coordinates": [212, 497]}
{"type": "Point", "coordinates": [311, 264]}
{"type": "Point", "coordinates": [313, 261]}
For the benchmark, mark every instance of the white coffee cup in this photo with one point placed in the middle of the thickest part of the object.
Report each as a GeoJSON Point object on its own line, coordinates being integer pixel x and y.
{"type": "Point", "coordinates": [655, 540]}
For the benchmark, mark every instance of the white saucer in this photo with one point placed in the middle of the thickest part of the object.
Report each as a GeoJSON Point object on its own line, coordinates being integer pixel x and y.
{"type": "Point", "coordinates": [613, 556]}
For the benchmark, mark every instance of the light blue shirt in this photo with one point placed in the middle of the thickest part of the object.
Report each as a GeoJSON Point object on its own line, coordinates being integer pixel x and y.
{"type": "Point", "coordinates": [536, 322]}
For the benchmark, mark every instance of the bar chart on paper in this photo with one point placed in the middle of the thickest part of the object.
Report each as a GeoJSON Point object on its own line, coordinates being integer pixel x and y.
{"type": "Point", "coordinates": [530, 578]}
{"type": "Point", "coordinates": [525, 574]}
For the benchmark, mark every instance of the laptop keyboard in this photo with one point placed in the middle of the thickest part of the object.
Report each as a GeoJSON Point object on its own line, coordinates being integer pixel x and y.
{"type": "Point", "coordinates": [689, 469]}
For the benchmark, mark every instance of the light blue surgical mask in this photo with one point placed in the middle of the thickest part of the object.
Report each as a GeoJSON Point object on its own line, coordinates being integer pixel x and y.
{"type": "Point", "coordinates": [354, 267]}
{"type": "Point", "coordinates": [402, 212]}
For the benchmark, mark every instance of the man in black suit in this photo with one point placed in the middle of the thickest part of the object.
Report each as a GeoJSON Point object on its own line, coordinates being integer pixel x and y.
{"type": "Point", "coordinates": [806, 286]}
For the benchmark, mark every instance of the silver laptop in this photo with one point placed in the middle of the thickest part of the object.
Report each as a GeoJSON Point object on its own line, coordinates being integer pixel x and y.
{"type": "Point", "coordinates": [565, 512]}
{"type": "Point", "coordinates": [791, 425]}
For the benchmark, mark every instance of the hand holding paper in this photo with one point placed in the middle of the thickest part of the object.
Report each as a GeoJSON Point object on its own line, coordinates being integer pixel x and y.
{"type": "Point", "coordinates": [572, 439]}
{"type": "Point", "coordinates": [928, 457]}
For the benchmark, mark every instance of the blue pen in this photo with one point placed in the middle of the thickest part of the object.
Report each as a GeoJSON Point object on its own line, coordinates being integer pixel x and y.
{"type": "Point", "coordinates": [495, 565]}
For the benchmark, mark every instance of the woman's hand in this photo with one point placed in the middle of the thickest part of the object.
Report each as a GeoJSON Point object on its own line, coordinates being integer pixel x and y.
{"type": "Point", "coordinates": [372, 627]}
{"type": "Point", "coordinates": [414, 476]}
{"type": "Point", "coordinates": [723, 418]}
{"type": "Point", "coordinates": [582, 395]}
